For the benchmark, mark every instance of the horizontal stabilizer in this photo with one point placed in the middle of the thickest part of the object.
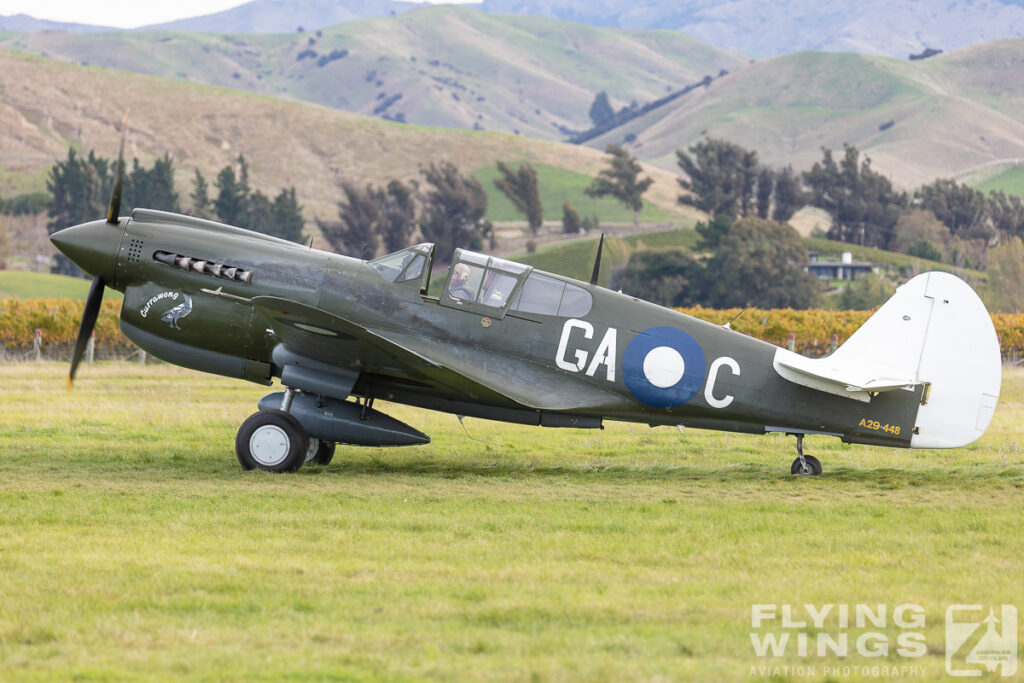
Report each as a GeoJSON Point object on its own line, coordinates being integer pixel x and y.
{"type": "Point", "coordinates": [842, 380]}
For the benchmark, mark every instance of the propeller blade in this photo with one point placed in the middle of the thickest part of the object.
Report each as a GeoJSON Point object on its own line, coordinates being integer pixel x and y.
{"type": "Point", "coordinates": [89, 315]}
{"type": "Point", "coordinates": [597, 261]}
{"type": "Point", "coordinates": [114, 210]}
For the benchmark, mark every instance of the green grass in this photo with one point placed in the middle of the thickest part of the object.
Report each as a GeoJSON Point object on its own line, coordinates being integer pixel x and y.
{"type": "Point", "coordinates": [133, 546]}
{"type": "Point", "coordinates": [1010, 181]}
{"type": "Point", "coordinates": [22, 284]}
{"type": "Point", "coordinates": [558, 185]}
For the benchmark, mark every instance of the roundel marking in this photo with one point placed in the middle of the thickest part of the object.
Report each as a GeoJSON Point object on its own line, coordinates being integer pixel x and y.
{"type": "Point", "coordinates": [663, 367]}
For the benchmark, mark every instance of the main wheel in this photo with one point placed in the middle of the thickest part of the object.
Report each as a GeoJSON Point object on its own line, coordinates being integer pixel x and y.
{"type": "Point", "coordinates": [273, 441]}
{"type": "Point", "coordinates": [813, 466]}
{"type": "Point", "coordinates": [319, 452]}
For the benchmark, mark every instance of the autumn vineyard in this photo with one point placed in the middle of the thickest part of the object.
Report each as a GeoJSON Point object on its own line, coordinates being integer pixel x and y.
{"type": "Point", "coordinates": [812, 332]}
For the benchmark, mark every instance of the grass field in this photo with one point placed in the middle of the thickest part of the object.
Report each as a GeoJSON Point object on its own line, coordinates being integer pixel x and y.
{"type": "Point", "coordinates": [133, 546]}
{"type": "Point", "coordinates": [22, 284]}
{"type": "Point", "coordinates": [1010, 181]}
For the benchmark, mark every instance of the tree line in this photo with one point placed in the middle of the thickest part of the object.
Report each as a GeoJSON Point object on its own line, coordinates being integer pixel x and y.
{"type": "Point", "coordinates": [943, 221]}
{"type": "Point", "coordinates": [80, 187]}
{"type": "Point", "coordinates": [449, 208]}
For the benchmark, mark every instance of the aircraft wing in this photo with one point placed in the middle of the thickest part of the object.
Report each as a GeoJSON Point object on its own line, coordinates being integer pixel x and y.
{"type": "Point", "coordinates": [472, 371]}
{"type": "Point", "coordinates": [841, 379]}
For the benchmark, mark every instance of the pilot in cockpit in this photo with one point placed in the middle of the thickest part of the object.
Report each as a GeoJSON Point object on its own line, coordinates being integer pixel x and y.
{"type": "Point", "coordinates": [459, 285]}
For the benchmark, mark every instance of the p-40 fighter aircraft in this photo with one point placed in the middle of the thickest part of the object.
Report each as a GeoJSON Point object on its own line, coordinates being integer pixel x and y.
{"type": "Point", "coordinates": [505, 341]}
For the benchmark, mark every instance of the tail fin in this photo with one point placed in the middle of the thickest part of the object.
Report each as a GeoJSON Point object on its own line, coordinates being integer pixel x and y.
{"type": "Point", "coordinates": [934, 331]}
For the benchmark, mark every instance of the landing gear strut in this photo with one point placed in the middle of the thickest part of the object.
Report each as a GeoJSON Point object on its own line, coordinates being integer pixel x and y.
{"type": "Point", "coordinates": [804, 464]}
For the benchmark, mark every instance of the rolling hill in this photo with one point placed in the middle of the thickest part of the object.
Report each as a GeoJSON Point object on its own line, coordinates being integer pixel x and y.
{"type": "Point", "coordinates": [442, 66]}
{"type": "Point", "coordinates": [917, 120]}
{"type": "Point", "coordinates": [46, 106]}
{"type": "Point", "coordinates": [896, 28]}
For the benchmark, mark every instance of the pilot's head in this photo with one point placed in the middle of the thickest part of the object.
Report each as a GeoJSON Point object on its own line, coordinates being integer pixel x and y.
{"type": "Point", "coordinates": [460, 274]}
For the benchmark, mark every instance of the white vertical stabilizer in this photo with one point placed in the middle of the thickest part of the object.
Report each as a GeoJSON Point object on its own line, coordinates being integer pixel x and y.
{"type": "Point", "coordinates": [961, 360]}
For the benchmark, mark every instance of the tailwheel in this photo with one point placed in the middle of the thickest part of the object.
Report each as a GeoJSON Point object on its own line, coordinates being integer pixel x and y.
{"type": "Point", "coordinates": [320, 452]}
{"type": "Point", "coordinates": [273, 441]}
{"type": "Point", "coordinates": [806, 465]}
{"type": "Point", "coordinates": [810, 466]}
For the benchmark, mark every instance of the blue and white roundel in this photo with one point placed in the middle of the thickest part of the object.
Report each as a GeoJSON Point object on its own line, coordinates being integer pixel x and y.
{"type": "Point", "coordinates": [663, 367]}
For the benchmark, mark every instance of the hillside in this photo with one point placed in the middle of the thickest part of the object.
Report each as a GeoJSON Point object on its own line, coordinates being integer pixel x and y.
{"type": "Point", "coordinates": [442, 66]}
{"type": "Point", "coordinates": [47, 106]}
{"type": "Point", "coordinates": [276, 16]}
{"type": "Point", "coordinates": [916, 120]}
{"type": "Point", "coordinates": [896, 28]}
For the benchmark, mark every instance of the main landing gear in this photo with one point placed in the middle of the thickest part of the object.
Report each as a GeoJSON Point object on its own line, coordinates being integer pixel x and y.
{"type": "Point", "coordinates": [275, 441]}
{"type": "Point", "coordinates": [804, 464]}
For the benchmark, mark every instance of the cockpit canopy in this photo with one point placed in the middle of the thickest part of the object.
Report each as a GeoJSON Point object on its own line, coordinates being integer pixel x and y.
{"type": "Point", "coordinates": [493, 286]}
{"type": "Point", "coordinates": [487, 285]}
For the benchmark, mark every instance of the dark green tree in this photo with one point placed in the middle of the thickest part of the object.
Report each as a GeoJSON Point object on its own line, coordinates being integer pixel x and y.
{"type": "Point", "coordinates": [201, 206]}
{"type": "Point", "coordinates": [521, 189]}
{"type": "Point", "coordinates": [261, 213]}
{"type": "Point", "coordinates": [453, 210]}
{"type": "Point", "coordinates": [712, 232]}
{"type": "Point", "coordinates": [863, 204]}
{"type": "Point", "coordinates": [669, 277]}
{"type": "Point", "coordinates": [571, 223]}
{"type": "Point", "coordinates": [866, 292]}
{"type": "Point", "coordinates": [720, 177]}
{"type": "Point", "coordinates": [397, 214]}
{"type": "Point", "coordinates": [286, 216]}
{"type": "Point", "coordinates": [1007, 212]}
{"type": "Point", "coordinates": [232, 202]}
{"type": "Point", "coordinates": [964, 210]}
{"type": "Point", "coordinates": [924, 249]}
{"type": "Point", "coordinates": [601, 111]}
{"type": "Point", "coordinates": [79, 191]}
{"type": "Point", "coordinates": [761, 263]}
{"type": "Point", "coordinates": [621, 180]}
{"type": "Point", "coordinates": [765, 187]}
{"type": "Point", "coordinates": [151, 188]}
{"type": "Point", "coordinates": [355, 233]}
{"type": "Point", "coordinates": [789, 194]}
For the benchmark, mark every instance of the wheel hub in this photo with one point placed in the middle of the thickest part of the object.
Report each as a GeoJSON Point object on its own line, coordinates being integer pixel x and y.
{"type": "Point", "coordinates": [269, 445]}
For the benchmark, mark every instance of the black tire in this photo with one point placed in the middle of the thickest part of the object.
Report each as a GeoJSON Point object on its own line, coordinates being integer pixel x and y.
{"type": "Point", "coordinates": [278, 439]}
{"type": "Point", "coordinates": [813, 465]}
{"type": "Point", "coordinates": [320, 452]}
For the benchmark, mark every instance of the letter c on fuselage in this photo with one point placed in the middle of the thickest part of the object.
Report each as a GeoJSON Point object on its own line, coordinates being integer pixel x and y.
{"type": "Point", "coordinates": [709, 388]}
{"type": "Point", "coordinates": [563, 344]}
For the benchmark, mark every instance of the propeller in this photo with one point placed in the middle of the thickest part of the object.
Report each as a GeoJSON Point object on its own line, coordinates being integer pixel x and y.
{"type": "Point", "coordinates": [115, 197]}
{"type": "Point", "coordinates": [597, 262]}
{"type": "Point", "coordinates": [95, 298]}
{"type": "Point", "coordinates": [89, 315]}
